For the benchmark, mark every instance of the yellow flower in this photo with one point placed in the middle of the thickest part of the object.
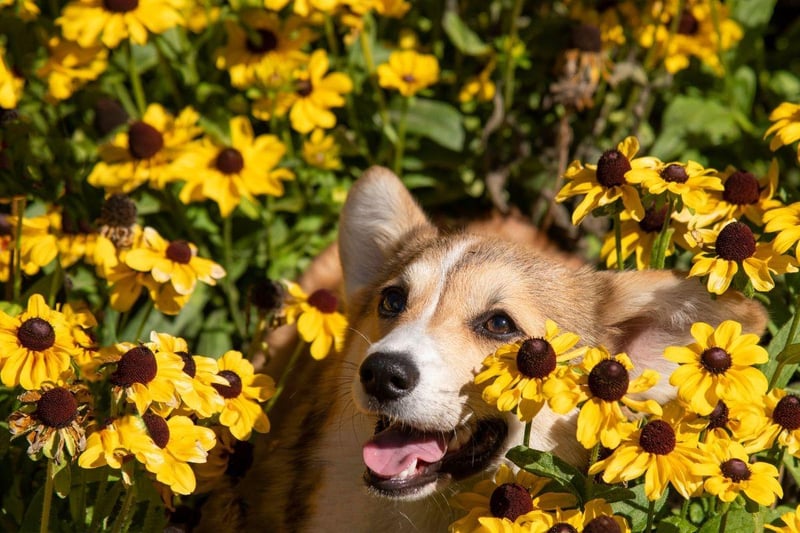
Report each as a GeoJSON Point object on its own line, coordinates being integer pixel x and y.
{"type": "Point", "coordinates": [507, 500]}
{"type": "Point", "coordinates": [38, 245]}
{"type": "Point", "coordinates": [261, 38]}
{"type": "Point", "coordinates": [86, 354]}
{"type": "Point", "coordinates": [605, 382]}
{"type": "Point", "coordinates": [729, 421]}
{"type": "Point", "coordinates": [75, 239]}
{"type": "Point", "coordinates": [145, 152]}
{"type": "Point", "coordinates": [219, 462]}
{"type": "Point", "coordinates": [10, 85]}
{"type": "Point", "coordinates": [316, 92]}
{"type": "Point", "coordinates": [780, 421]}
{"type": "Point", "coordinates": [786, 127]}
{"type": "Point", "coordinates": [145, 374]}
{"type": "Point", "coordinates": [637, 237]}
{"type": "Point", "coordinates": [408, 72]}
{"type": "Point", "coordinates": [480, 87]}
{"type": "Point", "coordinates": [689, 181]}
{"type": "Point", "coordinates": [104, 447]}
{"type": "Point", "coordinates": [785, 221]}
{"type": "Point", "coordinates": [744, 195]}
{"type": "Point", "coordinates": [318, 320]}
{"type": "Point", "coordinates": [663, 450]}
{"type": "Point", "coordinates": [791, 521]}
{"type": "Point", "coordinates": [597, 516]}
{"type": "Point", "coordinates": [321, 151]}
{"type": "Point", "coordinates": [25, 9]}
{"type": "Point", "coordinates": [718, 366]}
{"type": "Point", "coordinates": [606, 182]}
{"type": "Point", "coordinates": [35, 347]}
{"type": "Point", "coordinates": [94, 22]}
{"type": "Point", "coordinates": [726, 249]}
{"type": "Point", "coordinates": [521, 372]}
{"type": "Point", "coordinates": [53, 419]}
{"type": "Point", "coordinates": [729, 472]}
{"type": "Point", "coordinates": [173, 261]}
{"type": "Point", "coordinates": [242, 413]}
{"type": "Point", "coordinates": [70, 66]}
{"type": "Point", "coordinates": [226, 174]}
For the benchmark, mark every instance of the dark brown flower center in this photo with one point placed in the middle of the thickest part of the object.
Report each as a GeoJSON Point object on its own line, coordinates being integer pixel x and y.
{"type": "Point", "coordinates": [715, 360]}
{"type": "Point", "coordinates": [144, 141]}
{"type": "Point", "coordinates": [510, 501]}
{"type": "Point", "coordinates": [108, 115]}
{"type": "Point", "coordinates": [653, 220]}
{"type": "Point", "coordinates": [787, 412]}
{"type": "Point", "coordinates": [657, 437]}
{"type": "Point", "coordinates": [609, 380]}
{"type": "Point", "coordinates": [234, 387]}
{"type": "Point", "coordinates": [586, 38]}
{"type": "Point", "coordinates": [688, 24]}
{"type": "Point", "coordinates": [408, 78]}
{"type": "Point", "coordinates": [736, 470]}
{"type": "Point", "coordinates": [562, 527]}
{"type": "Point", "coordinates": [536, 358]}
{"type": "Point", "coordinates": [741, 188]}
{"type": "Point", "coordinates": [229, 161]}
{"type": "Point", "coordinates": [736, 242]}
{"type": "Point", "coordinates": [602, 524]}
{"type": "Point", "coordinates": [120, 6]}
{"type": "Point", "coordinates": [5, 226]}
{"type": "Point", "coordinates": [611, 168]}
{"type": "Point", "coordinates": [303, 87]}
{"type": "Point", "coordinates": [719, 416]}
{"type": "Point", "coordinates": [267, 295]}
{"type": "Point", "coordinates": [118, 210]}
{"type": "Point", "coordinates": [262, 41]}
{"type": "Point", "coordinates": [56, 408]}
{"type": "Point", "coordinates": [674, 173]}
{"type": "Point", "coordinates": [180, 252]}
{"type": "Point", "coordinates": [36, 334]}
{"type": "Point", "coordinates": [324, 300]}
{"type": "Point", "coordinates": [189, 365]}
{"type": "Point", "coordinates": [137, 365]}
{"type": "Point", "coordinates": [158, 429]}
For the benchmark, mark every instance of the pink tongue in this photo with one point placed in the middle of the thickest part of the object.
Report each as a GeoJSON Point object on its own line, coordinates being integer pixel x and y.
{"type": "Point", "coordinates": [392, 451]}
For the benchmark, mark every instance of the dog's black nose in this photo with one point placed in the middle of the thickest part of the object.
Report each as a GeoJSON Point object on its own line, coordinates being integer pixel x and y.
{"type": "Point", "coordinates": [388, 376]}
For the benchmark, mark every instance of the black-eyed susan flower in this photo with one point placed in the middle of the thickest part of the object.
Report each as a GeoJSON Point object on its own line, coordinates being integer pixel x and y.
{"type": "Point", "coordinates": [109, 22]}
{"type": "Point", "coordinates": [228, 173]}
{"type": "Point", "coordinates": [175, 262]}
{"type": "Point", "coordinates": [785, 221]}
{"type": "Point", "coordinates": [605, 382]}
{"type": "Point", "coordinates": [197, 393]}
{"type": "Point", "coordinates": [728, 472]}
{"type": "Point", "coordinates": [733, 246]}
{"type": "Point", "coordinates": [638, 238]}
{"type": "Point", "coordinates": [145, 152]}
{"type": "Point", "coordinates": [70, 66]}
{"type": "Point", "coordinates": [597, 517]}
{"type": "Point", "coordinates": [318, 319]}
{"type": "Point", "coordinates": [791, 522]}
{"type": "Point", "coordinates": [508, 502]}
{"type": "Point", "coordinates": [663, 449]}
{"type": "Point", "coordinates": [718, 365]}
{"type": "Point", "coordinates": [260, 38]}
{"type": "Point", "coordinates": [316, 92]}
{"type": "Point", "coordinates": [728, 421]}
{"type": "Point", "coordinates": [10, 84]}
{"type": "Point", "coordinates": [53, 420]}
{"type": "Point", "coordinates": [778, 422]}
{"type": "Point", "coordinates": [36, 346]}
{"type": "Point", "coordinates": [37, 243]}
{"type": "Point", "coordinates": [104, 447]}
{"type": "Point", "coordinates": [408, 72]}
{"type": "Point", "coordinates": [145, 374]}
{"type": "Point", "coordinates": [321, 151]}
{"type": "Point", "coordinates": [242, 413]}
{"type": "Point", "coordinates": [744, 195]}
{"type": "Point", "coordinates": [690, 182]}
{"type": "Point", "coordinates": [786, 127]}
{"type": "Point", "coordinates": [605, 182]}
{"type": "Point", "coordinates": [520, 372]}
{"type": "Point", "coordinates": [86, 355]}
{"type": "Point", "coordinates": [481, 87]}
{"type": "Point", "coordinates": [167, 446]}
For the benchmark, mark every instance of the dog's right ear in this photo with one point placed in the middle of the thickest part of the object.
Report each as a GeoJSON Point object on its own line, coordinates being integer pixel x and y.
{"type": "Point", "coordinates": [378, 212]}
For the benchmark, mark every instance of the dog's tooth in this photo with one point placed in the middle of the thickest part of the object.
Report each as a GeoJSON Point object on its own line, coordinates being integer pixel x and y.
{"type": "Point", "coordinates": [408, 471]}
{"type": "Point", "coordinates": [461, 437]}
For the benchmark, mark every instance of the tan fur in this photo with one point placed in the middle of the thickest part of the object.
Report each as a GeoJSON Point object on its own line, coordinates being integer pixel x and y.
{"type": "Point", "coordinates": [307, 474]}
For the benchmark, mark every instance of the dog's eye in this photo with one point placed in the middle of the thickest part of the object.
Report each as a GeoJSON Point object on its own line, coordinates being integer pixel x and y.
{"type": "Point", "coordinates": [499, 324]}
{"type": "Point", "coordinates": [393, 302]}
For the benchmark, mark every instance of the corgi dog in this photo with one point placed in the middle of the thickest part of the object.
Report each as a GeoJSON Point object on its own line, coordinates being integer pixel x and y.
{"type": "Point", "coordinates": [380, 438]}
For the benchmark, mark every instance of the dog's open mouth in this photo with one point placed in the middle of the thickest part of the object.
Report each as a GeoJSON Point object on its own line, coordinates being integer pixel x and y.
{"type": "Point", "coordinates": [401, 461]}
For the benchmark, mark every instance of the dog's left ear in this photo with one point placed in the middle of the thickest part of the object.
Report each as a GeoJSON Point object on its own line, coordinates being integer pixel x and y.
{"type": "Point", "coordinates": [644, 312]}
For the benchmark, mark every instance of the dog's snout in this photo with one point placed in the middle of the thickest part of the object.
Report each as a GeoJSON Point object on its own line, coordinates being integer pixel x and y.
{"type": "Point", "coordinates": [388, 376]}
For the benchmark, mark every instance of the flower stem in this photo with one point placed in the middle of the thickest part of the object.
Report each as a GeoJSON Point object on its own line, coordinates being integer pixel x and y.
{"type": "Point", "coordinates": [44, 525]}
{"type": "Point", "coordinates": [17, 210]}
{"type": "Point", "coordinates": [228, 284]}
{"type": "Point", "coordinates": [146, 316]}
{"type": "Point", "coordinates": [651, 515]}
{"type": "Point", "coordinates": [285, 375]}
{"type": "Point", "coordinates": [526, 437]}
{"type": "Point", "coordinates": [508, 72]}
{"type": "Point", "coordinates": [123, 521]}
{"type": "Point", "coordinates": [789, 341]}
{"type": "Point", "coordinates": [593, 455]}
{"type": "Point", "coordinates": [618, 241]}
{"type": "Point", "coordinates": [136, 82]}
{"type": "Point", "coordinates": [401, 139]}
{"type": "Point", "coordinates": [724, 512]}
{"type": "Point", "coordinates": [659, 253]}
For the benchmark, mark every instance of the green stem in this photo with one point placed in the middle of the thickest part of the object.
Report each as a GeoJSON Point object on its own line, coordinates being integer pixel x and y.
{"type": "Point", "coordinates": [172, 82]}
{"type": "Point", "coordinates": [659, 253]}
{"type": "Point", "coordinates": [286, 371]}
{"type": "Point", "coordinates": [724, 522]}
{"type": "Point", "coordinates": [789, 341]}
{"type": "Point", "coordinates": [366, 50]}
{"type": "Point", "coordinates": [651, 515]}
{"type": "Point", "coordinates": [44, 525]}
{"type": "Point", "coordinates": [618, 241]}
{"type": "Point", "coordinates": [526, 437]}
{"type": "Point", "coordinates": [55, 282]}
{"type": "Point", "coordinates": [136, 82]}
{"type": "Point", "coordinates": [147, 313]}
{"type": "Point", "coordinates": [123, 521]}
{"type": "Point", "coordinates": [401, 139]}
{"type": "Point", "coordinates": [18, 210]}
{"type": "Point", "coordinates": [508, 72]}
{"type": "Point", "coordinates": [230, 288]}
{"type": "Point", "coordinates": [593, 455]}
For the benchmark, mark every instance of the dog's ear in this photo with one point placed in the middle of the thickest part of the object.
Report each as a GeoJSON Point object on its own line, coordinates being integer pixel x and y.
{"type": "Point", "coordinates": [644, 312]}
{"type": "Point", "coordinates": [378, 212]}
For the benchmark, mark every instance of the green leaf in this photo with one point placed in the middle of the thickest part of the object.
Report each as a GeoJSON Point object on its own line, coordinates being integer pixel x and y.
{"type": "Point", "coordinates": [775, 349]}
{"type": "Point", "coordinates": [743, 89]}
{"type": "Point", "coordinates": [752, 13]}
{"type": "Point", "coordinates": [785, 84]}
{"type": "Point", "coordinates": [33, 514]}
{"type": "Point", "coordinates": [696, 122]}
{"type": "Point", "coordinates": [675, 524]}
{"type": "Point", "coordinates": [462, 37]}
{"type": "Point", "coordinates": [62, 480]}
{"type": "Point", "coordinates": [438, 121]}
{"type": "Point", "coordinates": [546, 464]}
{"type": "Point", "coordinates": [635, 509]}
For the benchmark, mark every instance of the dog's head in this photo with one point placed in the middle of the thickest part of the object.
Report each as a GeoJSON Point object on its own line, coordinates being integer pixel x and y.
{"type": "Point", "coordinates": [426, 308]}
